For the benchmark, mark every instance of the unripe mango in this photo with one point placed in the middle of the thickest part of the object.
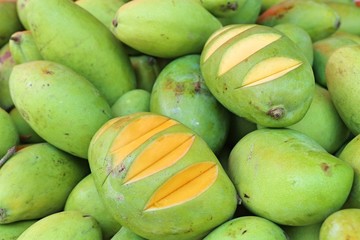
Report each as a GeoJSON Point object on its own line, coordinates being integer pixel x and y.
{"type": "Point", "coordinates": [308, 232]}
{"type": "Point", "coordinates": [8, 132]}
{"type": "Point", "coordinates": [349, 15]}
{"type": "Point", "coordinates": [6, 65]}
{"type": "Point", "coordinates": [247, 13]}
{"type": "Point", "coordinates": [136, 100]}
{"type": "Point", "coordinates": [47, 177]}
{"type": "Point", "coordinates": [9, 19]}
{"type": "Point", "coordinates": [12, 231]}
{"type": "Point", "coordinates": [288, 178]}
{"type": "Point", "coordinates": [174, 28]}
{"type": "Point", "coordinates": [63, 107]}
{"type": "Point", "coordinates": [126, 234]}
{"type": "Point", "coordinates": [258, 73]}
{"type": "Point", "coordinates": [159, 179]}
{"type": "Point", "coordinates": [23, 47]}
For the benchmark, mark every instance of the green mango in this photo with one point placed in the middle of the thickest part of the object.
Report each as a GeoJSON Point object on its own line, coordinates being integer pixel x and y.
{"type": "Point", "coordinates": [308, 232]}
{"type": "Point", "coordinates": [137, 100]}
{"type": "Point", "coordinates": [25, 132]}
{"type": "Point", "coordinates": [63, 107]}
{"type": "Point", "coordinates": [180, 93]}
{"type": "Point", "coordinates": [147, 69]}
{"type": "Point", "coordinates": [67, 225]}
{"type": "Point", "coordinates": [21, 9]}
{"type": "Point", "coordinates": [6, 65]}
{"type": "Point", "coordinates": [322, 51]}
{"type": "Point", "coordinates": [23, 47]}
{"type": "Point", "coordinates": [85, 198]}
{"type": "Point", "coordinates": [223, 8]}
{"type": "Point", "coordinates": [8, 132]}
{"type": "Point", "coordinates": [160, 179]}
{"type": "Point", "coordinates": [104, 11]}
{"type": "Point", "coordinates": [342, 76]}
{"type": "Point", "coordinates": [274, 170]}
{"type": "Point", "coordinates": [258, 73]}
{"type": "Point", "coordinates": [300, 37]}
{"type": "Point", "coordinates": [9, 19]}
{"type": "Point", "coordinates": [247, 228]}
{"type": "Point", "coordinates": [347, 35]}
{"type": "Point", "coordinates": [248, 13]}
{"type": "Point", "coordinates": [27, 196]}
{"type": "Point", "coordinates": [12, 231]}
{"type": "Point", "coordinates": [126, 234]}
{"type": "Point", "coordinates": [166, 32]}
{"type": "Point", "coordinates": [351, 154]}
{"type": "Point", "coordinates": [75, 38]}
{"type": "Point", "coordinates": [320, 22]}
{"type": "Point", "coordinates": [349, 15]}
{"type": "Point", "coordinates": [341, 225]}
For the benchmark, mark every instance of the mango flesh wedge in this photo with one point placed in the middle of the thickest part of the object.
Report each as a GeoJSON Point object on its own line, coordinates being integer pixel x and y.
{"type": "Point", "coordinates": [230, 34]}
{"type": "Point", "coordinates": [270, 69]}
{"type": "Point", "coordinates": [160, 154]}
{"type": "Point", "coordinates": [184, 186]}
{"type": "Point", "coordinates": [244, 48]}
{"type": "Point", "coordinates": [136, 133]}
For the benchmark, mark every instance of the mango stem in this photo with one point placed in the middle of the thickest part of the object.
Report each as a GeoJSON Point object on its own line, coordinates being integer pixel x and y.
{"type": "Point", "coordinates": [7, 156]}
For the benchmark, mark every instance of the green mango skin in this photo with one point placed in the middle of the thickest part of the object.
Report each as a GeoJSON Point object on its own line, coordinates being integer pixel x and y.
{"type": "Point", "coordinates": [341, 225]}
{"type": "Point", "coordinates": [247, 228]}
{"type": "Point", "coordinates": [147, 69]}
{"type": "Point", "coordinates": [104, 11]}
{"type": "Point", "coordinates": [85, 198]}
{"type": "Point", "coordinates": [212, 207]}
{"type": "Point", "coordinates": [12, 231]}
{"type": "Point", "coordinates": [126, 234]}
{"type": "Point", "coordinates": [305, 173]}
{"type": "Point", "coordinates": [342, 74]}
{"type": "Point", "coordinates": [349, 15]}
{"type": "Point", "coordinates": [9, 19]}
{"type": "Point", "coordinates": [25, 132]}
{"type": "Point", "coordinates": [308, 232]}
{"type": "Point", "coordinates": [27, 196]}
{"type": "Point", "coordinates": [223, 8]}
{"type": "Point", "coordinates": [350, 154]}
{"type": "Point", "coordinates": [62, 107]}
{"type": "Point", "coordinates": [21, 9]}
{"type": "Point", "coordinates": [300, 37]}
{"type": "Point", "coordinates": [239, 127]}
{"type": "Point", "coordinates": [351, 36]}
{"type": "Point", "coordinates": [277, 103]}
{"type": "Point", "coordinates": [137, 100]}
{"type": "Point", "coordinates": [248, 13]}
{"type": "Point", "coordinates": [165, 32]}
{"type": "Point", "coordinates": [322, 51]}
{"type": "Point", "coordinates": [180, 93]}
{"type": "Point", "coordinates": [323, 123]}
{"type": "Point", "coordinates": [107, 67]}
{"type": "Point", "coordinates": [23, 48]}
{"type": "Point", "coordinates": [6, 65]}
{"type": "Point", "coordinates": [63, 225]}
{"type": "Point", "coordinates": [8, 132]}
{"type": "Point", "coordinates": [320, 22]}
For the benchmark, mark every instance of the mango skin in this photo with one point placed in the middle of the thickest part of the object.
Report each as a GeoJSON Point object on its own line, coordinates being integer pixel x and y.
{"type": "Point", "coordinates": [248, 13]}
{"type": "Point", "coordinates": [7, 63]}
{"type": "Point", "coordinates": [207, 210]}
{"type": "Point", "coordinates": [12, 231]}
{"type": "Point", "coordinates": [22, 199]}
{"type": "Point", "coordinates": [85, 198]}
{"type": "Point", "coordinates": [305, 173]}
{"type": "Point", "coordinates": [180, 93]}
{"type": "Point", "coordinates": [62, 107]}
{"type": "Point", "coordinates": [165, 32]}
{"type": "Point", "coordinates": [136, 100]}
{"type": "Point", "coordinates": [308, 232]}
{"type": "Point", "coordinates": [23, 47]}
{"type": "Point", "coordinates": [64, 225]}
{"type": "Point", "coordinates": [8, 132]}
{"type": "Point", "coordinates": [9, 19]}
{"type": "Point", "coordinates": [342, 74]}
{"type": "Point", "coordinates": [126, 234]}
{"type": "Point", "coordinates": [247, 228]}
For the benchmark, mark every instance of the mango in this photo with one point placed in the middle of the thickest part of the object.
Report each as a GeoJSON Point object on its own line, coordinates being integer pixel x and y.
{"type": "Point", "coordinates": [247, 13]}
{"type": "Point", "coordinates": [308, 232]}
{"type": "Point", "coordinates": [305, 173]}
{"type": "Point", "coordinates": [349, 15]}
{"type": "Point", "coordinates": [341, 225]}
{"type": "Point", "coordinates": [247, 228]}
{"type": "Point", "coordinates": [6, 65]}
{"type": "Point", "coordinates": [223, 8]}
{"type": "Point", "coordinates": [258, 73]}
{"type": "Point", "coordinates": [85, 198]}
{"type": "Point", "coordinates": [126, 234]}
{"type": "Point", "coordinates": [9, 19]}
{"type": "Point", "coordinates": [23, 47]}
{"type": "Point", "coordinates": [12, 231]}
{"type": "Point", "coordinates": [75, 38]}
{"type": "Point", "coordinates": [320, 22]}
{"type": "Point", "coordinates": [180, 93]}
{"type": "Point", "coordinates": [62, 107]}
{"type": "Point", "coordinates": [343, 74]}
{"type": "Point", "coordinates": [136, 100]}
{"type": "Point", "coordinates": [8, 132]}
{"type": "Point", "coordinates": [21, 9]}
{"type": "Point", "coordinates": [160, 179]}
{"type": "Point", "coordinates": [72, 225]}
{"type": "Point", "coordinates": [27, 196]}
{"type": "Point", "coordinates": [147, 69]}
{"type": "Point", "coordinates": [166, 32]}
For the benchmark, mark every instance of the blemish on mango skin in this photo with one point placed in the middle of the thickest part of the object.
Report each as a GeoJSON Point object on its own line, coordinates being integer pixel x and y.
{"type": "Point", "coordinates": [326, 168]}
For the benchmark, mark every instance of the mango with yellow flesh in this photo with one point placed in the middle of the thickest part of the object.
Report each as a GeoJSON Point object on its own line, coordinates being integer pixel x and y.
{"type": "Point", "coordinates": [288, 178]}
{"type": "Point", "coordinates": [60, 105]}
{"type": "Point", "coordinates": [258, 73]}
{"type": "Point", "coordinates": [159, 179]}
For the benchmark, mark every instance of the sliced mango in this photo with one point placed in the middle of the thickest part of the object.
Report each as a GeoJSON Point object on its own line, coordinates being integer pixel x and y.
{"type": "Point", "coordinates": [184, 186]}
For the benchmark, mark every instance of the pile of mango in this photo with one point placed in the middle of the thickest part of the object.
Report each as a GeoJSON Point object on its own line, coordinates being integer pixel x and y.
{"type": "Point", "coordinates": [179, 119]}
